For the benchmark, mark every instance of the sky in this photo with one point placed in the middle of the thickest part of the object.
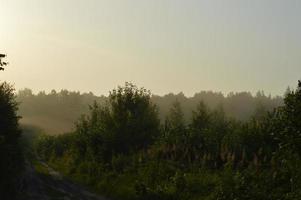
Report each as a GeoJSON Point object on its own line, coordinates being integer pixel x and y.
{"type": "Point", "coordinates": [163, 45]}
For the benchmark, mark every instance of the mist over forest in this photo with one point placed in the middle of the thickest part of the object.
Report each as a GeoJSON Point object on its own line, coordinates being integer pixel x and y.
{"type": "Point", "coordinates": [132, 145]}
{"type": "Point", "coordinates": [187, 101]}
{"type": "Point", "coordinates": [56, 112]}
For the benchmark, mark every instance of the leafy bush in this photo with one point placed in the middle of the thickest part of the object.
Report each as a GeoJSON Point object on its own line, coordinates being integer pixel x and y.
{"type": "Point", "coordinates": [11, 163]}
{"type": "Point", "coordinates": [122, 152]}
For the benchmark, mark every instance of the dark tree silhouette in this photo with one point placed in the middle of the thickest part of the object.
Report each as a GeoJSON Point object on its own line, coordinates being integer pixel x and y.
{"type": "Point", "coordinates": [1, 62]}
{"type": "Point", "coordinates": [11, 160]}
{"type": "Point", "coordinates": [11, 157]}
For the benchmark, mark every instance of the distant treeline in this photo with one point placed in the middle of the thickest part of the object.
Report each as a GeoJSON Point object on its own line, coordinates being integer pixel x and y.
{"type": "Point", "coordinates": [56, 112]}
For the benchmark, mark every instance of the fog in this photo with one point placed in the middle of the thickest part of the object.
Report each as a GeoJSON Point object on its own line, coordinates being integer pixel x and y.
{"type": "Point", "coordinates": [150, 99]}
{"type": "Point", "coordinates": [165, 46]}
{"type": "Point", "coordinates": [58, 112]}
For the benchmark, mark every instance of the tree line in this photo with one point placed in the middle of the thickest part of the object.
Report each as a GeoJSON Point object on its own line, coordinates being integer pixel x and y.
{"type": "Point", "coordinates": [124, 150]}
{"type": "Point", "coordinates": [56, 112]}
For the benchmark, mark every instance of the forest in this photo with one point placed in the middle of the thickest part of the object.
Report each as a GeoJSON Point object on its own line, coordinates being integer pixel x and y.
{"type": "Point", "coordinates": [135, 145]}
{"type": "Point", "coordinates": [56, 112]}
{"type": "Point", "coordinates": [150, 100]}
{"type": "Point", "coordinates": [122, 149]}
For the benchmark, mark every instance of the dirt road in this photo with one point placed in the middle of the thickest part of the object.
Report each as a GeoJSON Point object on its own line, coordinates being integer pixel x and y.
{"type": "Point", "coordinates": [52, 186]}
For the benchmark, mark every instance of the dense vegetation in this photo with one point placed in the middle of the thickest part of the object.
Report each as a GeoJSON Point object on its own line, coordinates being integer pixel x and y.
{"type": "Point", "coordinates": [56, 112]}
{"type": "Point", "coordinates": [123, 151]}
{"type": "Point", "coordinates": [11, 163]}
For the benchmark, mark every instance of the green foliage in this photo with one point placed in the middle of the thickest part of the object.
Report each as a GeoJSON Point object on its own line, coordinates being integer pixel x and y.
{"type": "Point", "coordinates": [120, 151]}
{"type": "Point", "coordinates": [10, 151]}
{"type": "Point", "coordinates": [134, 123]}
{"type": "Point", "coordinates": [291, 115]}
{"type": "Point", "coordinates": [127, 123]}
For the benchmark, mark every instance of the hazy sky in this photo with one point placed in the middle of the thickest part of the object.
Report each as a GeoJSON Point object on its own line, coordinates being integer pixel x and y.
{"type": "Point", "coordinates": [163, 45]}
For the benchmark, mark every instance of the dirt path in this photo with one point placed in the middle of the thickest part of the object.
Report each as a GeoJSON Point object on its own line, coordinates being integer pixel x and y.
{"type": "Point", "coordinates": [52, 186]}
